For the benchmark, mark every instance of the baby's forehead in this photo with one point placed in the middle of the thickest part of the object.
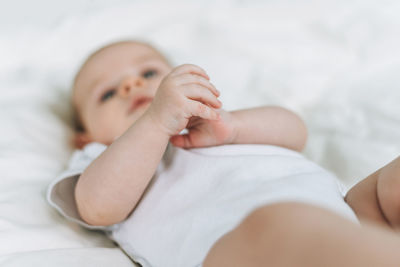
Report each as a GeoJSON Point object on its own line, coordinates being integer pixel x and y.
{"type": "Point", "coordinates": [113, 54]}
{"type": "Point", "coordinates": [121, 51]}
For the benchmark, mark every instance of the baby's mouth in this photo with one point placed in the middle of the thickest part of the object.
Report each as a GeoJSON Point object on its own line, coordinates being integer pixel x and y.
{"type": "Point", "coordinates": [139, 102]}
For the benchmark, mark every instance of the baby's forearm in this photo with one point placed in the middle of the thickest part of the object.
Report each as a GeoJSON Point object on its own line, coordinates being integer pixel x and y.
{"type": "Point", "coordinates": [270, 125]}
{"type": "Point", "coordinates": [112, 185]}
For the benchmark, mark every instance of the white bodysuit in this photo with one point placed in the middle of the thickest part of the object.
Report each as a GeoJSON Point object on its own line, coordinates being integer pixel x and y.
{"type": "Point", "coordinates": [198, 195]}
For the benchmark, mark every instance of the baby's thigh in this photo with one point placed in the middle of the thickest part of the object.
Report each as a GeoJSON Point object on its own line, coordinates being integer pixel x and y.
{"type": "Point", "coordinates": [267, 235]}
{"type": "Point", "coordinates": [296, 234]}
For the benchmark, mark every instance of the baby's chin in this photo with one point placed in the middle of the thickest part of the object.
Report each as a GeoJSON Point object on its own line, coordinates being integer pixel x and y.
{"type": "Point", "coordinates": [130, 120]}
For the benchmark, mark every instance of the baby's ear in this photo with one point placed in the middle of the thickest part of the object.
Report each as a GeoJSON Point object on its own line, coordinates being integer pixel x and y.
{"type": "Point", "coordinates": [81, 139]}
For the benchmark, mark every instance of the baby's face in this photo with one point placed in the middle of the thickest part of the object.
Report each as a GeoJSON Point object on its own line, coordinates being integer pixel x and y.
{"type": "Point", "coordinates": [115, 87]}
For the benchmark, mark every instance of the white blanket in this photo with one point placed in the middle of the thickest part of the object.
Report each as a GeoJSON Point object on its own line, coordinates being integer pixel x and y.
{"type": "Point", "coordinates": [333, 62]}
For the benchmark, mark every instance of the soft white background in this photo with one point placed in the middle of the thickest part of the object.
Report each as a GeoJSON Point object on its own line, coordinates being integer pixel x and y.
{"type": "Point", "coordinates": [336, 63]}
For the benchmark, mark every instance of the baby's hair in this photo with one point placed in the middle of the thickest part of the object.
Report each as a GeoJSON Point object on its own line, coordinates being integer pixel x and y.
{"type": "Point", "coordinates": [76, 120]}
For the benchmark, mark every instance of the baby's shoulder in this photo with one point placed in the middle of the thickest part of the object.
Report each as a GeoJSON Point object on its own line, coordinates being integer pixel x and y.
{"type": "Point", "coordinates": [85, 155]}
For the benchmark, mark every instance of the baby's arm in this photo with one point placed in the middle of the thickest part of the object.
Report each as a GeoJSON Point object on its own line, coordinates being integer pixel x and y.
{"type": "Point", "coordinates": [111, 186]}
{"type": "Point", "coordinates": [109, 189]}
{"type": "Point", "coordinates": [270, 125]}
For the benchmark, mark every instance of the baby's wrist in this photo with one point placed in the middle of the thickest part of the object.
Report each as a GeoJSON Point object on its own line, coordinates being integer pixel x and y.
{"type": "Point", "coordinates": [155, 124]}
{"type": "Point", "coordinates": [236, 126]}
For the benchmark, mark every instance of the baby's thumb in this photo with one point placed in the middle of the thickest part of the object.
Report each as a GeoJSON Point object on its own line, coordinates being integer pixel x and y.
{"type": "Point", "coordinates": [194, 138]}
{"type": "Point", "coordinates": [181, 140]}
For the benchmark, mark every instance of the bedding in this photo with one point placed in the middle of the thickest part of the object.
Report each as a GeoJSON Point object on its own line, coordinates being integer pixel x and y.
{"type": "Point", "coordinates": [335, 63]}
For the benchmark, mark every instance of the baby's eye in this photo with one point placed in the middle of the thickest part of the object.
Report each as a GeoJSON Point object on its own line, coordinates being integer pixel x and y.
{"type": "Point", "coordinates": [149, 73]}
{"type": "Point", "coordinates": [107, 95]}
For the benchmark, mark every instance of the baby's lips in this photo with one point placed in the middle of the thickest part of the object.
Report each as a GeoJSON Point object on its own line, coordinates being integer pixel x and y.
{"type": "Point", "coordinates": [138, 102]}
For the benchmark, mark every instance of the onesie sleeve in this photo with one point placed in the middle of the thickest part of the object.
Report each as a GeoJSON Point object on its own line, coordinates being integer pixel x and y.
{"type": "Point", "coordinates": [61, 192]}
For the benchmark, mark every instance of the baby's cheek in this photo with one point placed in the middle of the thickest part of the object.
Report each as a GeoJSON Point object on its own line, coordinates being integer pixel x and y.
{"type": "Point", "coordinates": [118, 129]}
{"type": "Point", "coordinates": [103, 131]}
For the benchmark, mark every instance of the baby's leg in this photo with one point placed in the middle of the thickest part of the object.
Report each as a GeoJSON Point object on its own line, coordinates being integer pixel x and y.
{"type": "Point", "coordinates": [377, 197]}
{"type": "Point", "coordinates": [294, 234]}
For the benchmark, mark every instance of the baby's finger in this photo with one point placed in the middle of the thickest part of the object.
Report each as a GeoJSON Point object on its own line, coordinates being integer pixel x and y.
{"type": "Point", "coordinates": [189, 68]}
{"type": "Point", "coordinates": [181, 141]}
{"type": "Point", "coordinates": [202, 94]}
{"type": "Point", "coordinates": [196, 79]}
{"type": "Point", "coordinates": [203, 111]}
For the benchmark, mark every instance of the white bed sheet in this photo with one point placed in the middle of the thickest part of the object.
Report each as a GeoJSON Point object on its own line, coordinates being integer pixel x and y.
{"type": "Point", "coordinates": [333, 62]}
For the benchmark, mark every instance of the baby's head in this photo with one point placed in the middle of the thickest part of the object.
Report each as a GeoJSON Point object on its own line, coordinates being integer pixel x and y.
{"type": "Point", "coordinates": [113, 88]}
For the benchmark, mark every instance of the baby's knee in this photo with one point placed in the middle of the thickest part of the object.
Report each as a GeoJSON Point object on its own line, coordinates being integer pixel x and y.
{"type": "Point", "coordinates": [388, 188]}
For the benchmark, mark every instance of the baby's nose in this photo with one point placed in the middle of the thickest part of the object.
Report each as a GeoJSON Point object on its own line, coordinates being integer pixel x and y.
{"type": "Point", "coordinates": [128, 84]}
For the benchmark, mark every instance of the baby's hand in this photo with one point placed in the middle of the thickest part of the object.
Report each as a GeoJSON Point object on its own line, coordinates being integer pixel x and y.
{"type": "Point", "coordinates": [184, 93]}
{"type": "Point", "coordinates": [203, 132]}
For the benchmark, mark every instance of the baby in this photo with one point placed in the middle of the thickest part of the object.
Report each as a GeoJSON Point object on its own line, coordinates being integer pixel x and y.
{"type": "Point", "coordinates": [233, 190]}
